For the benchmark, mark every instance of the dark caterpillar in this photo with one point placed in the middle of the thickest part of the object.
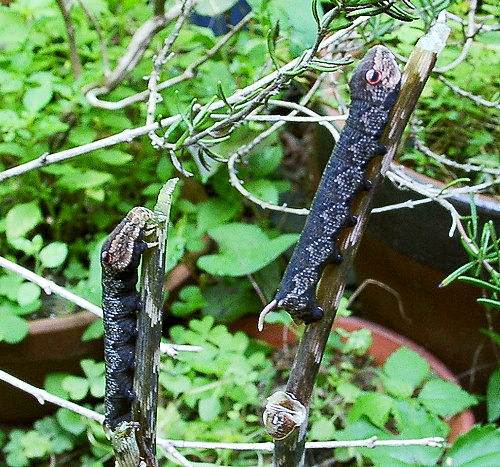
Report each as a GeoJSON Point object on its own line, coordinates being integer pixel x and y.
{"type": "Point", "coordinates": [374, 89]}
{"type": "Point", "coordinates": [120, 258]}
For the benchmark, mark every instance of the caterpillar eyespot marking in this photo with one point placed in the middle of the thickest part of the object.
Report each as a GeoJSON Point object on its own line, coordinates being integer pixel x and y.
{"type": "Point", "coordinates": [374, 88]}
{"type": "Point", "coordinates": [120, 258]}
{"type": "Point", "coordinates": [373, 76]}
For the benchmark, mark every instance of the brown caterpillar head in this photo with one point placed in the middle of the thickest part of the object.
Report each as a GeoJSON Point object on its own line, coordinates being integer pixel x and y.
{"type": "Point", "coordinates": [377, 77]}
{"type": "Point", "coordinates": [283, 413]}
{"type": "Point", "coordinates": [118, 249]}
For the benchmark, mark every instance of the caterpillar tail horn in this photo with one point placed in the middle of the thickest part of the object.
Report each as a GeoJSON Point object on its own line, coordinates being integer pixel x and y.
{"type": "Point", "coordinates": [267, 309]}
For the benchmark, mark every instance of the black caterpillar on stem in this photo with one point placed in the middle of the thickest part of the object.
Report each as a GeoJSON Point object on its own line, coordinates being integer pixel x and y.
{"type": "Point", "coordinates": [374, 88]}
{"type": "Point", "coordinates": [120, 258]}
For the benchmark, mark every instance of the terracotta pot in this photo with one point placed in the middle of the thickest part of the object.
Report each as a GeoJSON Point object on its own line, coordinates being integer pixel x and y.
{"type": "Point", "coordinates": [52, 345]}
{"type": "Point", "coordinates": [384, 343]}
{"type": "Point", "coordinates": [410, 250]}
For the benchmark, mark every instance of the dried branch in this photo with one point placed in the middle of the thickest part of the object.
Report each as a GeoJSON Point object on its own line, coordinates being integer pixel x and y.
{"type": "Point", "coordinates": [158, 62]}
{"type": "Point", "coordinates": [444, 160]}
{"type": "Point", "coordinates": [147, 357]}
{"type": "Point", "coordinates": [76, 65]}
{"type": "Point", "coordinates": [290, 450]}
{"type": "Point", "coordinates": [138, 45]}
{"type": "Point", "coordinates": [471, 31]}
{"type": "Point", "coordinates": [234, 158]}
{"type": "Point", "coordinates": [188, 73]}
{"type": "Point", "coordinates": [50, 287]}
{"type": "Point", "coordinates": [477, 99]}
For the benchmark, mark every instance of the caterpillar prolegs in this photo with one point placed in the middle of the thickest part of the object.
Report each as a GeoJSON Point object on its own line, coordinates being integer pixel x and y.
{"type": "Point", "coordinates": [374, 88]}
{"type": "Point", "coordinates": [120, 258]}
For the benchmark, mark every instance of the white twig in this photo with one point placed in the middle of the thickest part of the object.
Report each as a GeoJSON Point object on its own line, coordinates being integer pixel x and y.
{"type": "Point", "coordinates": [49, 287]}
{"type": "Point", "coordinates": [444, 160]}
{"type": "Point", "coordinates": [287, 118]}
{"type": "Point", "coordinates": [44, 396]}
{"type": "Point", "coordinates": [477, 99]}
{"type": "Point", "coordinates": [471, 30]}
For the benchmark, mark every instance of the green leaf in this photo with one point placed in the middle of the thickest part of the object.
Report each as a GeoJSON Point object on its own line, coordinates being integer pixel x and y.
{"type": "Point", "coordinates": [71, 421]}
{"type": "Point", "coordinates": [444, 398]}
{"type": "Point", "coordinates": [76, 386]}
{"type": "Point", "coordinates": [266, 162]}
{"type": "Point", "coordinates": [13, 28]}
{"type": "Point", "coordinates": [373, 405]}
{"type": "Point", "coordinates": [78, 179]}
{"type": "Point", "coordinates": [264, 190]}
{"type": "Point", "coordinates": [35, 445]}
{"type": "Point", "coordinates": [21, 219]}
{"type": "Point", "coordinates": [12, 328]}
{"type": "Point", "coordinates": [358, 342]}
{"type": "Point", "coordinates": [28, 293]}
{"type": "Point", "coordinates": [35, 99]}
{"type": "Point", "coordinates": [480, 447]}
{"type": "Point", "coordinates": [322, 430]}
{"type": "Point", "coordinates": [493, 396]}
{"type": "Point", "coordinates": [209, 408]}
{"type": "Point", "coordinates": [192, 300]}
{"type": "Point", "coordinates": [244, 249]}
{"type": "Point", "coordinates": [94, 331]}
{"type": "Point", "coordinates": [113, 156]}
{"type": "Point", "coordinates": [407, 367]}
{"type": "Point", "coordinates": [215, 211]}
{"type": "Point", "coordinates": [54, 254]}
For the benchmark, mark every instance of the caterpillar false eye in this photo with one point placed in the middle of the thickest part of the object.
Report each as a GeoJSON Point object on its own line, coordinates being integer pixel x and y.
{"type": "Point", "coordinates": [121, 255]}
{"type": "Point", "coordinates": [106, 258]}
{"type": "Point", "coordinates": [373, 76]}
{"type": "Point", "coordinates": [343, 178]}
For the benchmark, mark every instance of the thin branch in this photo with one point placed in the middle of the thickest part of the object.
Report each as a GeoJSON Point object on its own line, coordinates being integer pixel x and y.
{"type": "Point", "coordinates": [471, 30]}
{"type": "Point", "coordinates": [188, 73]}
{"type": "Point", "coordinates": [50, 287]}
{"type": "Point", "coordinates": [98, 30]}
{"type": "Point", "coordinates": [43, 396]}
{"type": "Point", "coordinates": [444, 160]}
{"type": "Point", "coordinates": [158, 62]}
{"type": "Point", "coordinates": [76, 65]}
{"type": "Point", "coordinates": [234, 158]}
{"type": "Point", "coordinates": [138, 45]}
{"type": "Point", "coordinates": [461, 92]}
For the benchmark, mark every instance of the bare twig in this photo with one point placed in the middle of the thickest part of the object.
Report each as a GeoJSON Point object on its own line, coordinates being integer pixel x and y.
{"type": "Point", "coordinates": [444, 160]}
{"type": "Point", "coordinates": [50, 287]}
{"type": "Point", "coordinates": [235, 181]}
{"type": "Point", "coordinates": [188, 73]}
{"type": "Point", "coordinates": [477, 99]}
{"type": "Point", "coordinates": [158, 63]}
{"type": "Point", "coordinates": [76, 65]}
{"type": "Point", "coordinates": [471, 31]}
{"type": "Point", "coordinates": [138, 45]}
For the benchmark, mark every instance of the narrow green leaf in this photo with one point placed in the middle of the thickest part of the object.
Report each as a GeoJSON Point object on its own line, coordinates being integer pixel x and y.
{"type": "Point", "coordinates": [493, 396]}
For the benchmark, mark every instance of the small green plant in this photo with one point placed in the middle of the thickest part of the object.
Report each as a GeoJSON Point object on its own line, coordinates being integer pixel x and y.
{"type": "Point", "coordinates": [483, 248]}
